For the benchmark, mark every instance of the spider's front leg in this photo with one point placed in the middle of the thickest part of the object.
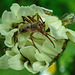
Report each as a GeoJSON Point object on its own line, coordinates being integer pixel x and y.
{"type": "Point", "coordinates": [46, 34]}
{"type": "Point", "coordinates": [38, 17]}
{"type": "Point", "coordinates": [25, 19]}
{"type": "Point", "coordinates": [33, 41]}
{"type": "Point", "coordinates": [42, 23]}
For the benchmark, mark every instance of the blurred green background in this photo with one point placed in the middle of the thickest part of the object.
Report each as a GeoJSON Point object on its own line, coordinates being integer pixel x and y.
{"type": "Point", "coordinates": [66, 63]}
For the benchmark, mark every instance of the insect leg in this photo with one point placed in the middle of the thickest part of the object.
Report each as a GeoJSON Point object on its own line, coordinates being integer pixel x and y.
{"type": "Point", "coordinates": [33, 41]}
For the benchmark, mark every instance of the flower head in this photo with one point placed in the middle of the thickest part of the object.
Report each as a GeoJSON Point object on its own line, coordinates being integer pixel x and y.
{"type": "Point", "coordinates": [34, 38]}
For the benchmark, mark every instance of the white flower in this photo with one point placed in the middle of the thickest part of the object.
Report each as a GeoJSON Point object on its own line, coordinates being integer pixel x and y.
{"type": "Point", "coordinates": [21, 53]}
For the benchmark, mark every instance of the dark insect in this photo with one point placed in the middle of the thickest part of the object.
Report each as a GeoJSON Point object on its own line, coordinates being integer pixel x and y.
{"type": "Point", "coordinates": [30, 24]}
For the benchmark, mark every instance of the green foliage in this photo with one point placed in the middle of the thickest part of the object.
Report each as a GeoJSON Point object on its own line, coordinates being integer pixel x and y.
{"type": "Point", "coordinates": [67, 60]}
{"type": "Point", "coordinates": [13, 72]}
{"type": "Point", "coordinates": [72, 27]}
{"type": "Point", "coordinates": [2, 47]}
{"type": "Point", "coordinates": [68, 55]}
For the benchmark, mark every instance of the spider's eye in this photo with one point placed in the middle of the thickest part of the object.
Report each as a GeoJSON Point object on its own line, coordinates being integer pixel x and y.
{"type": "Point", "coordinates": [43, 22]}
{"type": "Point", "coordinates": [28, 27]}
{"type": "Point", "coordinates": [39, 24]}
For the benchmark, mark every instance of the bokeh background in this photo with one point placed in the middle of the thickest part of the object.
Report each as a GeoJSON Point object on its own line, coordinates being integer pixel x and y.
{"type": "Point", "coordinates": [65, 65]}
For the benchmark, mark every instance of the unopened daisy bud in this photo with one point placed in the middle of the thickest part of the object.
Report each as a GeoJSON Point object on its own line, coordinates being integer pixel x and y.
{"type": "Point", "coordinates": [68, 18]}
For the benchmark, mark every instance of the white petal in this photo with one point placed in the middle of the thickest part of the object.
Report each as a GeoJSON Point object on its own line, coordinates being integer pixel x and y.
{"type": "Point", "coordinates": [39, 35]}
{"type": "Point", "coordinates": [51, 19]}
{"type": "Point", "coordinates": [16, 63]}
{"type": "Point", "coordinates": [14, 8]}
{"type": "Point", "coordinates": [28, 52]}
{"type": "Point", "coordinates": [37, 9]}
{"type": "Point", "coordinates": [40, 66]}
{"type": "Point", "coordinates": [42, 57]}
{"type": "Point", "coordinates": [8, 18]}
{"type": "Point", "coordinates": [37, 43]}
{"type": "Point", "coordinates": [37, 66]}
{"type": "Point", "coordinates": [71, 35]}
{"type": "Point", "coordinates": [56, 24]}
{"type": "Point", "coordinates": [4, 62]}
{"type": "Point", "coordinates": [14, 51]}
{"type": "Point", "coordinates": [49, 49]}
{"type": "Point", "coordinates": [10, 53]}
{"type": "Point", "coordinates": [9, 38]}
{"type": "Point", "coordinates": [22, 39]}
{"type": "Point", "coordinates": [59, 45]}
{"type": "Point", "coordinates": [3, 29]}
{"type": "Point", "coordinates": [29, 67]}
{"type": "Point", "coordinates": [25, 11]}
{"type": "Point", "coordinates": [60, 33]}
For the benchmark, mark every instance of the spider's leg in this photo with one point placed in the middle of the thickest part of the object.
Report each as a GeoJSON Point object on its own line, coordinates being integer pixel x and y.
{"type": "Point", "coordinates": [32, 19]}
{"type": "Point", "coordinates": [34, 15]}
{"type": "Point", "coordinates": [25, 19]}
{"type": "Point", "coordinates": [44, 33]}
{"type": "Point", "coordinates": [39, 18]}
{"type": "Point", "coordinates": [33, 41]}
{"type": "Point", "coordinates": [50, 36]}
{"type": "Point", "coordinates": [50, 39]}
{"type": "Point", "coordinates": [43, 23]}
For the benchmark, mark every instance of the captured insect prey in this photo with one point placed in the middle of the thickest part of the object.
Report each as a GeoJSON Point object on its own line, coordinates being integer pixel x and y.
{"type": "Point", "coordinates": [31, 24]}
